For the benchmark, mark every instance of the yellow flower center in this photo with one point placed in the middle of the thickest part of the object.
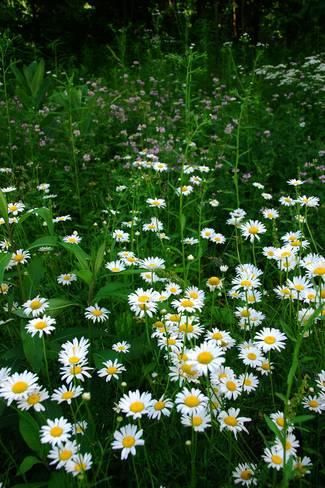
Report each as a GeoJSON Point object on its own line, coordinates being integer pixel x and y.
{"type": "Point", "coordinates": [76, 370]}
{"type": "Point", "coordinates": [67, 395]}
{"type": "Point", "coordinates": [65, 454]}
{"type": "Point", "coordinates": [40, 325]}
{"type": "Point", "coordinates": [186, 328]}
{"type": "Point", "coordinates": [194, 294]}
{"type": "Point", "coordinates": [246, 475]}
{"type": "Point", "coordinates": [319, 271]}
{"type": "Point", "coordinates": [188, 369]}
{"type": "Point", "coordinates": [186, 303]}
{"type": "Point", "coordinates": [159, 405]}
{"type": "Point", "coordinates": [285, 254]}
{"type": "Point", "coordinates": [35, 304]}
{"type": "Point", "coordinates": [56, 431]}
{"type": "Point", "coordinates": [174, 318]}
{"type": "Point", "coordinates": [231, 421]}
{"type": "Point", "coordinates": [266, 365]}
{"type": "Point", "coordinates": [12, 208]}
{"type": "Point", "coordinates": [299, 287]}
{"type": "Point", "coordinates": [231, 385]}
{"type": "Point", "coordinates": [276, 459]}
{"type": "Point", "coordinates": [253, 229]}
{"type": "Point", "coordinates": [128, 441]}
{"type": "Point", "coordinates": [18, 257]}
{"type": "Point", "coordinates": [115, 270]}
{"type": "Point", "coordinates": [248, 382]}
{"type": "Point", "coordinates": [217, 336]}
{"type": "Point", "coordinates": [252, 356]}
{"type": "Point", "coordinates": [184, 188]}
{"type": "Point", "coordinates": [192, 401]}
{"type": "Point", "coordinates": [245, 313]}
{"type": "Point", "coordinates": [269, 340]}
{"type": "Point", "coordinates": [74, 359]}
{"type": "Point", "coordinates": [296, 243]}
{"type": "Point", "coordinates": [197, 421]}
{"type": "Point", "coordinates": [111, 369]}
{"type": "Point", "coordinates": [143, 299]}
{"type": "Point", "coordinates": [97, 312]}
{"type": "Point", "coordinates": [288, 445]}
{"type": "Point", "coordinates": [171, 342]}
{"type": "Point", "coordinates": [214, 281]}
{"type": "Point", "coordinates": [136, 407]}
{"type": "Point", "coordinates": [80, 467]}
{"type": "Point", "coordinates": [313, 403]}
{"type": "Point", "coordinates": [280, 421]}
{"type": "Point", "coordinates": [33, 398]}
{"type": "Point", "coordinates": [19, 387]}
{"type": "Point", "coordinates": [247, 283]}
{"type": "Point", "coordinates": [205, 357]}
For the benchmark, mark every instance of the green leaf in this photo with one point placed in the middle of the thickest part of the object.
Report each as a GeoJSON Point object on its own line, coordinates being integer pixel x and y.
{"type": "Point", "coordinates": [4, 261]}
{"type": "Point", "coordinates": [115, 289]}
{"type": "Point", "coordinates": [99, 258]}
{"type": "Point", "coordinates": [4, 207]}
{"type": "Point", "coordinates": [27, 464]}
{"type": "Point", "coordinates": [272, 426]}
{"type": "Point", "coordinates": [47, 216]}
{"type": "Point", "coordinates": [57, 305]}
{"type": "Point", "coordinates": [79, 253]}
{"type": "Point", "coordinates": [29, 429]}
{"type": "Point", "coordinates": [106, 355]}
{"type": "Point", "coordinates": [33, 350]}
{"type": "Point", "coordinates": [182, 221]}
{"type": "Point", "coordinates": [47, 241]}
{"type": "Point", "coordinates": [302, 418]}
{"type": "Point", "coordinates": [85, 275]}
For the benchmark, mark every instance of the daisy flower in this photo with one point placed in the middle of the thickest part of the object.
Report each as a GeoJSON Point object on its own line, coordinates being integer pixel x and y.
{"type": "Point", "coordinates": [218, 239]}
{"type": "Point", "coordinates": [291, 445]}
{"type": "Point", "coordinates": [19, 257]}
{"type": "Point", "coordinates": [302, 465]}
{"type": "Point", "coordinates": [249, 382]}
{"type": "Point", "coordinates": [79, 464]}
{"type": "Point", "coordinates": [66, 279]}
{"type": "Point", "coordinates": [36, 306]}
{"type": "Point", "coordinates": [115, 266]}
{"type": "Point", "coordinates": [287, 201]}
{"type": "Point", "coordinates": [251, 356]}
{"type": "Point", "coordinates": [74, 238]}
{"type": "Point", "coordinates": [155, 225]}
{"type": "Point", "coordinates": [316, 268]}
{"type": "Point", "coordinates": [134, 404]}
{"type": "Point", "coordinates": [314, 403]}
{"type": "Point", "coordinates": [270, 213]}
{"type": "Point", "coordinates": [186, 304]}
{"type": "Point", "coordinates": [66, 394]}
{"type": "Point", "coordinates": [60, 455]}
{"type": "Point", "coordinates": [75, 371]}
{"type": "Point", "coordinates": [295, 182]}
{"type": "Point", "coordinates": [97, 313]}
{"type": "Point", "coordinates": [214, 283]}
{"type": "Point", "coordinates": [184, 190]}
{"type": "Point", "coordinates": [173, 289]}
{"type": "Point", "coordinates": [231, 388]}
{"type": "Point", "coordinates": [308, 201]}
{"type": "Point", "coordinates": [40, 326]}
{"type": "Point", "coordinates": [273, 457]}
{"type": "Point", "coordinates": [15, 208]}
{"type": "Point", "coordinates": [244, 474]}
{"type": "Point", "coordinates": [199, 421]}
{"type": "Point", "coordinates": [17, 386]}
{"type": "Point", "coordinates": [143, 302]}
{"type": "Point", "coordinates": [152, 263]}
{"type": "Point", "coordinates": [268, 339]}
{"type": "Point", "coordinates": [206, 357]}
{"type": "Point", "coordinates": [111, 370]}
{"type": "Point", "coordinates": [34, 399]}
{"type": "Point", "coordinates": [156, 202]}
{"type": "Point", "coordinates": [74, 352]}
{"type": "Point", "coordinates": [123, 347]}
{"type": "Point", "coordinates": [229, 420]}
{"type": "Point", "coordinates": [189, 401]}
{"type": "Point", "coordinates": [79, 427]}
{"type": "Point", "coordinates": [121, 236]}
{"type": "Point", "coordinates": [127, 438]}
{"type": "Point", "coordinates": [252, 229]}
{"type": "Point", "coordinates": [56, 431]}
{"type": "Point", "coordinates": [207, 233]}
{"type": "Point", "coordinates": [159, 167]}
{"type": "Point", "coordinates": [160, 407]}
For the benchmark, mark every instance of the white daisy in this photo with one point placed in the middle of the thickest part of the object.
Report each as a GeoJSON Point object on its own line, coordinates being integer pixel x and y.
{"type": "Point", "coordinates": [127, 438]}
{"type": "Point", "coordinates": [56, 432]}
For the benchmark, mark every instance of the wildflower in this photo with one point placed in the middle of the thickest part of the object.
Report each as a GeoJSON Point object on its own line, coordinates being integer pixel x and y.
{"type": "Point", "coordinates": [61, 454]}
{"type": "Point", "coordinates": [173, 289]}
{"type": "Point", "coordinates": [268, 339]}
{"type": "Point", "coordinates": [287, 201]}
{"type": "Point", "coordinates": [17, 386]}
{"type": "Point", "coordinates": [273, 457]}
{"type": "Point", "coordinates": [15, 208]}
{"type": "Point", "coordinates": [314, 403]}
{"type": "Point", "coordinates": [291, 445]}
{"type": "Point", "coordinates": [56, 431]}
{"type": "Point", "coordinates": [250, 355]}
{"type": "Point", "coordinates": [115, 266]}
{"type": "Point", "coordinates": [74, 238]}
{"type": "Point", "coordinates": [121, 236]}
{"type": "Point", "coordinates": [156, 202]}
{"type": "Point", "coordinates": [153, 226]}
{"type": "Point", "coordinates": [97, 313]}
{"type": "Point", "coordinates": [270, 213]}
{"type": "Point", "coordinates": [199, 421]}
{"type": "Point", "coordinates": [189, 401]}
{"type": "Point", "coordinates": [112, 369]}
{"type": "Point", "coordinates": [244, 474]}
{"type": "Point", "coordinates": [160, 407]}
{"type": "Point", "coordinates": [74, 352]}
{"type": "Point", "coordinates": [295, 182]}
{"type": "Point", "coordinates": [207, 233]}
{"type": "Point", "coordinates": [19, 257]}
{"type": "Point", "coordinates": [79, 464]}
{"type": "Point", "coordinates": [218, 239]}
{"type": "Point", "coordinates": [249, 382]}
{"type": "Point", "coordinates": [206, 357]}
{"type": "Point", "coordinates": [135, 404]}
{"type": "Point", "coordinates": [184, 190]}
{"type": "Point", "coordinates": [231, 388]}
{"type": "Point", "coordinates": [143, 302]}
{"type": "Point", "coordinates": [252, 229]}
{"type": "Point", "coordinates": [66, 394]}
{"type": "Point", "coordinates": [75, 371]}
{"type": "Point", "coordinates": [66, 279]}
{"type": "Point", "coordinates": [79, 427]}
{"type": "Point", "coordinates": [214, 283]}
{"type": "Point", "coordinates": [41, 325]}
{"type": "Point", "coordinates": [123, 347]}
{"type": "Point", "coordinates": [127, 438]}
{"type": "Point", "coordinates": [186, 304]}
{"type": "Point", "coordinates": [229, 420]}
{"type": "Point", "coordinates": [308, 201]}
{"type": "Point", "coordinates": [152, 263]}
{"type": "Point", "coordinates": [36, 306]}
{"type": "Point", "coordinates": [302, 465]}
{"type": "Point", "coordinates": [34, 398]}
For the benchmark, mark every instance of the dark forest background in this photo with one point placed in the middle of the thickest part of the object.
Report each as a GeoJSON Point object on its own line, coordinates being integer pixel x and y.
{"type": "Point", "coordinates": [80, 31]}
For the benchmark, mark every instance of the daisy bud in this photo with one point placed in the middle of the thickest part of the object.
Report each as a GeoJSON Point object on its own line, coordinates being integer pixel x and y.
{"type": "Point", "coordinates": [190, 257]}
{"type": "Point", "coordinates": [124, 384]}
{"type": "Point", "coordinates": [86, 396]}
{"type": "Point", "coordinates": [119, 419]}
{"type": "Point", "coordinates": [188, 443]}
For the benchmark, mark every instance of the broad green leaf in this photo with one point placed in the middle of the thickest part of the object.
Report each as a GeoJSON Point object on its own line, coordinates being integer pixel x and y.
{"type": "Point", "coordinates": [4, 261]}
{"type": "Point", "coordinates": [302, 418]}
{"type": "Point", "coordinates": [99, 258]}
{"type": "Point", "coordinates": [274, 428]}
{"type": "Point", "coordinates": [106, 355]}
{"type": "Point", "coordinates": [57, 305]}
{"type": "Point", "coordinates": [47, 216]}
{"type": "Point", "coordinates": [27, 464]}
{"type": "Point", "coordinates": [85, 275]}
{"type": "Point", "coordinates": [47, 241]}
{"type": "Point", "coordinates": [33, 350]}
{"type": "Point", "coordinates": [79, 253]}
{"type": "Point", "coordinates": [3, 207]}
{"type": "Point", "coordinates": [30, 431]}
{"type": "Point", "coordinates": [115, 289]}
